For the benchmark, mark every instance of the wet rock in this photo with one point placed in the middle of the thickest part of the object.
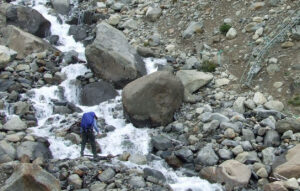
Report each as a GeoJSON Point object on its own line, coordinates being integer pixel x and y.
{"type": "Point", "coordinates": [78, 32]}
{"type": "Point", "coordinates": [27, 176]}
{"type": "Point", "coordinates": [29, 20]}
{"type": "Point", "coordinates": [61, 6]}
{"type": "Point", "coordinates": [106, 175]}
{"type": "Point", "coordinates": [96, 93]}
{"type": "Point", "coordinates": [25, 43]}
{"type": "Point", "coordinates": [15, 124]}
{"type": "Point", "coordinates": [20, 108]}
{"type": "Point", "coordinates": [153, 99]}
{"type": "Point", "coordinates": [272, 138]}
{"type": "Point", "coordinates": [186, 155]}
{"type": "Point", "coordinates": [207, 156]}
{"type": "Point", "coordinates": [153, 13]}
{"type": "Point", "coordinates": [193, 80]}
{"type": "Point", "coordinates": [138, 159]}
{"type": "Point", "coordinates": [155, 174]}
{"type": "Point", "coordinates": [194, 27]}
{"type": "Point", "coordinates": [112, 58]}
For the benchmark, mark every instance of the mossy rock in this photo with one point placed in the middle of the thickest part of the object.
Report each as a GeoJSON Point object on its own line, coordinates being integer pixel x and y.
{"type": "Point", "coordinates": [224, 28]}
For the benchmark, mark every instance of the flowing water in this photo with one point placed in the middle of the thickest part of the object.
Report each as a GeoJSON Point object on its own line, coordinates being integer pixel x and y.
{"type": "Point", "coordinates": [124, 138]}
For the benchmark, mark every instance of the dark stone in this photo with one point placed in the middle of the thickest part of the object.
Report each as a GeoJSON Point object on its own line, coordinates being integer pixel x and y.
{"type": "Point", "coordinates": [155, 174]}
{"type": "Point", "coordinates": [161, 143]}
{"type": "Point", "coordinates": [98, 92]}
{"type": "Point", "coordinates": [53, 39]}
{"type": "Point", "coordinates": [78, 32]}
{"type": "Point", "coordinates": [272, 139]}
{"type": "Point", "coordinates": [29, 20]}
{"type": "Point", "coordinates": [5, 84]}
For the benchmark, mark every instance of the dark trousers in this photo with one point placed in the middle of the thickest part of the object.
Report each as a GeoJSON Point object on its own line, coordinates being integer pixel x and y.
{"type": "Point", "coordinates": [88, 136]}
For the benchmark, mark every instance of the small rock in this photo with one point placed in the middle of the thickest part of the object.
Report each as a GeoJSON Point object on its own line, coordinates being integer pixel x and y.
{"type": "Point", "coordinates": [231, 34]}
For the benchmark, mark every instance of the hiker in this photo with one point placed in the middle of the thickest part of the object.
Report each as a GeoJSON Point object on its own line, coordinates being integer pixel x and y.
{"type": "Point", "coordinates": [88, 123]}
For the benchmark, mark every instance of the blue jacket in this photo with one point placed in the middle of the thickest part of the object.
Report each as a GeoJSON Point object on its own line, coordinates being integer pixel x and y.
{"type": "Point", "coordinates": [88, 121]}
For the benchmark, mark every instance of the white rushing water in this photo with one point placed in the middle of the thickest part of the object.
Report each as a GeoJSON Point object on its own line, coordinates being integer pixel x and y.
{"type": "Point", "coordinates": [124, 138]}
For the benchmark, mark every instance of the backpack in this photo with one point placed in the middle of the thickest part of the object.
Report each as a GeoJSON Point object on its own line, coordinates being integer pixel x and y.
{"type": "Point", "coordinates": [87, 120]}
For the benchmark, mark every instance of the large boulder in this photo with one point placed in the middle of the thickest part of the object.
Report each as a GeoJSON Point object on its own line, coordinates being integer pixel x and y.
{"type": "Point", "coordinates": [153, 99]}
{"type": "Point", "coordinates": [24, 43]}
{"type": "Point", "coordinates": [33, 150]}
{"type": "Point", "coordinates": [291, 167]}
{"type": "Point", "coordinates": [288, 124]}
{"type": "Point", "coordinates": [95, 93]}
{"type": "Point", "coordinates": [207, 156]}
{"type": "Point", "coordinates": [112, 58]}
{"type": "Point", "coordinates": [61, 6]}
{"type": "Point", "coordinates": [6, 55]}
{"type": "Point", "coordinates": [162, 143]}
{"type": "Point", "coordinates": [193, 80]}
{"type": "Point", "coordinates": [31, 177]}
{"type": "Point", "coordinates": [230, 172]}
{"type": "Point", "coordinates": [28, 20]}
{"type": "Point", "coordinates": [15, 124]}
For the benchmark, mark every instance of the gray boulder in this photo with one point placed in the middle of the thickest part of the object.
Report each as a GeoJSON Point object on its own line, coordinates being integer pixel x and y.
{"type": "Point", "coordinates": [20, 108]}
{"type": "Point", "coordinates": [29, 20]}
{"type": "Point", "coordinates": [61, 6]}
{"type": "Point", "coordinates": [153, 13]}
{"type": "Point", "coordinates": [225, 154]}
{"type": "Point", "coordinates": [194, 27]}
{"type": "Point", "coordinates": [185, 155]}
{"type": "Point", "coordinates": [96, 93]}
{"type": "Point", "coordinates": [24, 43]}
{"type": "Point", "coordinates": [33, 150]}
{"type": "Point", "coordinates": [8, 149]}
{"type": "Point", "coordinates": [31, 177]}
{"type": "Point", "coordinates": [153, 99]}
{"type": "Point", "coordinates": [161, 143]}
{"type": "Point", "coordinates": [207, 156]}
{"type": "Point", "coordinates": [112, 58]}
{"type": "Point", "coordinates": [193, 80]}
{"type": "Point", "coordinates": [272, 138]}
{"type": "Point", "coordinates": [106, 175]}
{"type": "Point", "coordinates": [15, 124]}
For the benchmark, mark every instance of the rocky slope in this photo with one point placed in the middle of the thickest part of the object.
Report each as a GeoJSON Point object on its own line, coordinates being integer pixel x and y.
{"type": "Point", "coordinates": [242, 138]}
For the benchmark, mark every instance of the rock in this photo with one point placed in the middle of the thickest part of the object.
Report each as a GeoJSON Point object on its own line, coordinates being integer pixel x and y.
{"type": "Point", "coordinates": [248, 135]}
{"type": "Point", "coordinates": [296, 33]}
{"type": "Point", "coordinates": [259, 98]}
{"type": "Point", "coordinates": [112, 58]}
{"type": "Point", "coordinates": [229, 133]}
{"type": "Point", "coordinates": [153, 99]}
{"type": "Point", "coordinates": [130, 24]}
{"type": "Point", "coordinates": [173, 161]}
{"type": "Point", "coordinates": [288, 124]}
{"type": "Point", "coordinates": [211, 126]}
{"type": "Point", "coordinates": [137, 182]}
{"type": "Point", "coordinates": [287, 44]}
{"type": "Point", "coordinates": [231, 34]}
{"type": "Point", "coordinates": [8, 149]}
{"type": "Point", "coordinates": [275, 186]}
{"type": "Point", "coordinates": [15, 124]}
{"type": "Point", "coordinates": [221, 82]}
{"type": "Point", "coordinates": [138, 159]}
{"type": "Point", "coordinates": [247, 157]}
{"type": "Point", "coordinates": [185, 154]}
{"type": "Point", "coordinates": [246, 146]}
{"type": "Point", "coordinates": [225, 154]}
{"type": "Point", "coordinates": [33, 150]}
{"type": "Point", "coordinates": [268, 122]}
{"type": "Point", "coordinates": [13, 138]}
{"type": "Point", "coordinates": [29, 20]}
{"type": "Point", "coordinates": [96, 93]}
{"type": "Point", "coordinates": [148, 172]}
{"type": "Point", "coordinates": [262, 172]}
{"type": "Point", "coordinates": [257, 5]}
{"type": "Point", "coordinates": [153, 13]}
{"type": "Point", "coordinates": [268, 155]}
{"type": "Point", "coordinates": [75, 181]}
{"type": "Point", "coordinates": [106, 175]}
{"type": "Point", "coordinates": [27, 176]}
{"type": "Point", "coordinates": [207, 156]}
{"type": "Point", "coordinates": [291, 167]}
{"type": "Point", "coordinates": [25, 43]}
{"type": "Point", "coordinates": [193, 80]}
{"type": "Point", "coordinates": [238, 105]}
{"type": "Point", "coordinates": [114, 19]}
{"type": "Point", "coordinates": [231, 172]}
{"type": "Point", "coordinates": [20, 108]}
{"type": "Point", "coordinates": [274, 105]}
{"type": "Point", "coordinates": [61, 6]}
{"type": "Point", "coordinates": [98, 186]}
{"type": "Point", "coordinates": [272, 138]}
{"type": "Point", "coordinates": [74, 138]}
{"type": "Point", "coordinates": [78, 32]}
{"type": "Point", "coordinates": [194, 27]}
{"type": "Point", "coordinates": [249, 104]}
{"type": "Point", "coordinates": [145, 52]}
{"type": "Point", "coordinates": [6, 55]}
{"type": "Point", "coordinates": [161, 143]}
{"type": "Point", "coordinates": [292, 183]}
